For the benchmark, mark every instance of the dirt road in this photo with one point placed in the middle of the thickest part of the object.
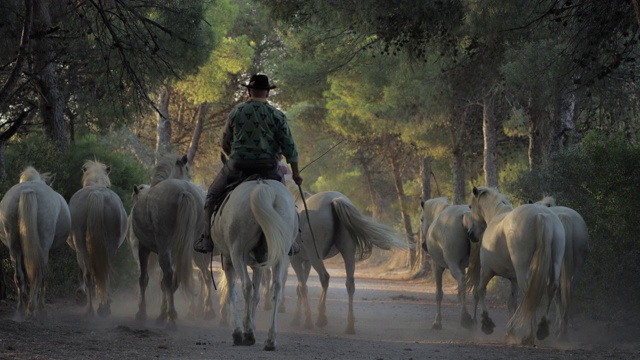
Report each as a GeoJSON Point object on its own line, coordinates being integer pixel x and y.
{"type": "Point", "coordinates": [393, 321]}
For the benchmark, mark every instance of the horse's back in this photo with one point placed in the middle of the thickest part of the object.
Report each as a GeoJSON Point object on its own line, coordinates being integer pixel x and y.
{"type": "Point", "coordinates": [54, 220]}
{"type": "Point", "coordinates": [113, 214]}
{"type": "Point", "coordinates": [155, 213]}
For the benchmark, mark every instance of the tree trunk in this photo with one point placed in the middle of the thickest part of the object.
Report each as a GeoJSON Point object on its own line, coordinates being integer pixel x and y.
{"type": "Point", "coordinates": [490, 142]}
{"type": "Point", "coordinates": [3, 171]}
{"type": "Point", "coordinates": [406, 219]}
{"type": "Point", "coordinates": [536, 134]}
{"type": "Point", "coordinates": [51, 101]}
{"type": "Point", "coordinates": [425, 172]}
{"type": "Point", "coordinates": [197, 131]}
{"type": "Point", "coordinates": [459, 190]}
{"type": "Point", "coordinates": [163, 139]}
{"type": "Point", "coordinates": [376, 213]}
{"type": "Point", "coordinates": [12, 81]}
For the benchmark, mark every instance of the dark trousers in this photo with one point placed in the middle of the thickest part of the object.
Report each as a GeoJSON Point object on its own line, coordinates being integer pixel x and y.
{"type": "Point", "coordinates": [235, 170]}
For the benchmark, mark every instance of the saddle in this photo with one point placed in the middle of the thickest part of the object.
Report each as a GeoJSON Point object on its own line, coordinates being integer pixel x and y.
{"type": "Point", "coordinates": [260, 250]}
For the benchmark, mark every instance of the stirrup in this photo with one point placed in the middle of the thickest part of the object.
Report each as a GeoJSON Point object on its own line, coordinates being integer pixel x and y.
{"type": "Point", "coordinates": [204, 244]}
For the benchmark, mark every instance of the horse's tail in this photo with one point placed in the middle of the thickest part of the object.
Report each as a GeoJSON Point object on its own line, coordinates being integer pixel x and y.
{"type": "Point", "coordinates": [276, 229]}
{"type": "Point", "coordinates": [185, 233]}
{"type": "Point", "coordinates": [567, 269]}
{"type": "Point", "coordinates": [97, 250]}
{"type": "Point", "coordinates": [33, 253]}
{"type": "Point", "coordinates": [472, 276]}
{"type": "Point", "coordinates": [365, 232]}
{"type": "Point", "coordinates": [539, 271]}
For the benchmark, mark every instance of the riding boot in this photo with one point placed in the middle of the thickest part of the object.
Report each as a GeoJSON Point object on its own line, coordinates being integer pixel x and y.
{"type": "Point", "coordinates": [204, 244]}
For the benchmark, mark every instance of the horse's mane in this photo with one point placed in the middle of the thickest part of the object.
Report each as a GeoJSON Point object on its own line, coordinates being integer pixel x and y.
{"type": "Point", "coordinates": [498, 197]}
{"type": "Point", "coordinates": [31, 174]}
{"type": "Point", "coordinates": [548, 201]}
{"type": "Point", "coordinates": [171, 167]}
{"type": "Point", "coordinates": [95, 173]}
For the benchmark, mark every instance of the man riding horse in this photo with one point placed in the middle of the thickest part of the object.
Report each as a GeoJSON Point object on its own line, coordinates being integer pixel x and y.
{"type": "Point", "coordinates": [254, 134]}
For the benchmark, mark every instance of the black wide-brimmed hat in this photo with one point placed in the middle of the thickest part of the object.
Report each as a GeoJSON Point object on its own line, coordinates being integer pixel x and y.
{"type": "Point", "coordinates": [259, 81]}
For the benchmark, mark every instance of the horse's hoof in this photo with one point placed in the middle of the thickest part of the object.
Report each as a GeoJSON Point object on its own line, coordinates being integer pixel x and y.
{"type": "Point", "coordinates": [237, 337]}
{"type": "Point", "coordinates": [487, 324]}
{"type": "Point", "coordinates": [436, 326]}
{"type": "Point", "coordinates": [308, 325]}
{"type": "Point", "coordinates": [527, 341]}
{"type": "Point", "coordinates": [350, 330]}
{"type": "Point", "coordinates": [466, 321]}
{"type": "Point", "coordinates": [104, 310]}
{"type": "Point", "coordinates": [248, 338]}
{"type": "Point", "coordinates": [141, 316]}
{"type": "Point", "coordinates": [81, 297]}
{"type": "Point", "coordinates": [543, 329]}
{"type": "Point", "coordinates": [269, 345]}
{"type": "Point", "coordinates": [209, 315]}
{"type": "Point", "coordinates": [322, 321]}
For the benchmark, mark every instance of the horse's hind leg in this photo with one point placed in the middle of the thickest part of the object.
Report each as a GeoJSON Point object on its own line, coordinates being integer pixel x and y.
{"type": "Point", "coordinates": [323, 275]}
{"type": "Point", "coordinates": [279, 273]}
{"type": "Point", "coordinates": [302, 269]}
{"type": "Point", "coordinates": [169, 286]}
{"type": "Point", "coordinates": [266, 282]}
{"type": "Point", "coordinates": [437, 273]}
{"type": "Point", "coordinates": [20, 281]}
{"type": "Point", "coordinates": [143, 256]}
{"type": "Point", "coordinates": [457, 271]}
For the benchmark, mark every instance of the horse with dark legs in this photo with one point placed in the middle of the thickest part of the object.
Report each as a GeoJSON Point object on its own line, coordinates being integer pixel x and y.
{"type": "Point", "coordinates": [35, 219]}
{"type": "Point", "coordinates": [99, 227]}
{"type": "Point", "coordinates": [166, 221]}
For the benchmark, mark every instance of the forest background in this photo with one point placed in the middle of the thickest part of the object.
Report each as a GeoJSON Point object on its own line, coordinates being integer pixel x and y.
{"type": "Point", "coordinates": [391, 103]}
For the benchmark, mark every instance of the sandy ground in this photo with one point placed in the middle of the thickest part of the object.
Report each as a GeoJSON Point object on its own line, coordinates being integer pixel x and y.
{"type": "Point", "coordinates": [393, 321]}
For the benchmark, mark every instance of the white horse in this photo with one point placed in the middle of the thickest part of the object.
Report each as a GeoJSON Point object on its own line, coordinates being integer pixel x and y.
{"type": "Point", "coordinates": [575, 253]}
{"type": "Point", "coordinates": [430, 209]}
{"type": "Point", "coordinates": [99, 227]}
{"type": "Point", "coordinates": [166, 221]}
{"type": "Point", "coordinates": [524, 245]}
{"type": "Point", "coordinates": [448, 243]}
{"type": "Point", "coordinates": [33, 220]}
{"type": "Point", "coordinates": [331, 224]}
{"type": "Point", "coordinates": [257, 214]}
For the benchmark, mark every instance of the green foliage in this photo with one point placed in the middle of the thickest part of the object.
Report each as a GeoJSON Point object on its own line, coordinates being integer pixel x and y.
{"type": "Point", "coordinates": [36, 150]}
{"type": "Point", "coordinates": [600, 181]}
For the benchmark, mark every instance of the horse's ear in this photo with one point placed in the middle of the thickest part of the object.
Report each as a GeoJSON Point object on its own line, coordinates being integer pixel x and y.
{"type": "Point", "coordinates": [108, 170]}
{"type": "Point", "coordinates": [530, 201]}
{"type": "Point", "coordinates": [223, 158]}
{"type": "Point", "coordinates": [422, 203]}
{"type": "Point", "coordinates": [135, 189]}
{"type": "Point", "coordinates": [185, 160]}
{"type": "Point", "coordinates": [475, 191]}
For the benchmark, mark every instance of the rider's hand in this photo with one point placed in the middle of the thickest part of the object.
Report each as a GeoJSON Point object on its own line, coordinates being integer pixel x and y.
{"type": "Point", "coordinates": [297, 179]}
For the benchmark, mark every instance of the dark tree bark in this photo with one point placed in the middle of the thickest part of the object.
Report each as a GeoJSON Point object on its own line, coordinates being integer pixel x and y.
{"type": "Point", "coordinates": [197, 131]}
{"type": "Point", "coordinates": [163, 139]}
{"type": "Point", "coordinates": [51, 99]}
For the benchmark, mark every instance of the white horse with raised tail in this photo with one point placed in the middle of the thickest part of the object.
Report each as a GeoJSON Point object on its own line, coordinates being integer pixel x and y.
{"type": "Point", "coordinates": [33, 220]}
{"type": "Point", "coordinates": [524, 245]}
